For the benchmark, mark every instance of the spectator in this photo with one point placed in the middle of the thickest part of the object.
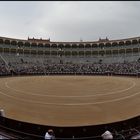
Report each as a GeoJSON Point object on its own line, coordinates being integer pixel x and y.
{"type": "Point", "coordinates": [2, 113]}
{"type": "Point", "coordinates": [50, 135]}
{"type": "Point", "coordinates": [107, 135]}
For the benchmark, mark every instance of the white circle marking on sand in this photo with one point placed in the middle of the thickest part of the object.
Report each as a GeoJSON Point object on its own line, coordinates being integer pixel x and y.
{"type": "Point", "coordinates": [56, 96]}
{"type": "Point", "coordinates": [72, 104]}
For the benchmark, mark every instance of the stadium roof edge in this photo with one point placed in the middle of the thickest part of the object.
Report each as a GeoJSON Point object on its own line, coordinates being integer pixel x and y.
{"type": "Point", "coordinates": [58, 42]}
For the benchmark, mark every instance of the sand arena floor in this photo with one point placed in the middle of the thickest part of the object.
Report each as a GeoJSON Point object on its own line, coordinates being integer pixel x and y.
{"type": "Point", "coordinates": [70, 100]}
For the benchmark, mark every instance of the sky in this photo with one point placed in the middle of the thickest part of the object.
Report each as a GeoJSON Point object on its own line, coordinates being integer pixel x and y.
{"type": "Point", "coordinates": [70, 20]}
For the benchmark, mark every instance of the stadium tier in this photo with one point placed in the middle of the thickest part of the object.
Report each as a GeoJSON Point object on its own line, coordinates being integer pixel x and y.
{"type": "Point", "coordinates": [45, 57]}
{"type": "Point", "coordinates": [102, 51]}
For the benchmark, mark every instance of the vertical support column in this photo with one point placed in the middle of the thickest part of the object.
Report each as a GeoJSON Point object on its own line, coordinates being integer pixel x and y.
{"type": "Point", "coordinates": [125, 54]}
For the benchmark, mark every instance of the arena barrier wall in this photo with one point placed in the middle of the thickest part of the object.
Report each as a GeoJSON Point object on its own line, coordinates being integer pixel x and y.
{"type": "Point", "coordinates": [29, 130]}
{"type": "Point", "coordinates": [71, 73]}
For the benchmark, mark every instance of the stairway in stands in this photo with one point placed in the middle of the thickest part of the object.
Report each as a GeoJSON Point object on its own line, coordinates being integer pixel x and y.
{"type": "Point", "coordinates": [2, 60]}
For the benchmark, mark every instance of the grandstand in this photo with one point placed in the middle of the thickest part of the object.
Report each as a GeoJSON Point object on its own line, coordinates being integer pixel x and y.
{"type": "Point", "coordinates": [33, 53]}
{"type": "Point", "coordinates": [43, 57]}
{"type": "Point", "coordinates": [75, 52]}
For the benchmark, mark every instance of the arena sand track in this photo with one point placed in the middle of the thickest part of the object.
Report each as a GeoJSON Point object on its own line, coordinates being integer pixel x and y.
{"type": "Point", "coordinates": [70, 100]}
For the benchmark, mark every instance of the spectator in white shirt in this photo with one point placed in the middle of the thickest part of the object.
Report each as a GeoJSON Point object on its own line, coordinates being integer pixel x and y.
{"type": "Point", "coordinates": [107, 135]}
{"type": "Point", "coordinates": [50, 135]}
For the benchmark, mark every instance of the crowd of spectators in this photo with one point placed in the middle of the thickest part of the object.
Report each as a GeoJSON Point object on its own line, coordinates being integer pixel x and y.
{"type": "Point", "coordinates": [116, 68]}
{"type": "Point", "coordinates": [46, 68]}
{"type": "Point", "coordinates": [34, 68]}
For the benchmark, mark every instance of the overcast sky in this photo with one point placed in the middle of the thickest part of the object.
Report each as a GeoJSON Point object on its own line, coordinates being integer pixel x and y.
{"type": "Point", "coordinates": [70, 21]}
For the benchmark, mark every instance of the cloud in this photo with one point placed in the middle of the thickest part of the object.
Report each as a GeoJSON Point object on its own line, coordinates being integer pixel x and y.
{"type": "Point", "coordinates": [70, 21]}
